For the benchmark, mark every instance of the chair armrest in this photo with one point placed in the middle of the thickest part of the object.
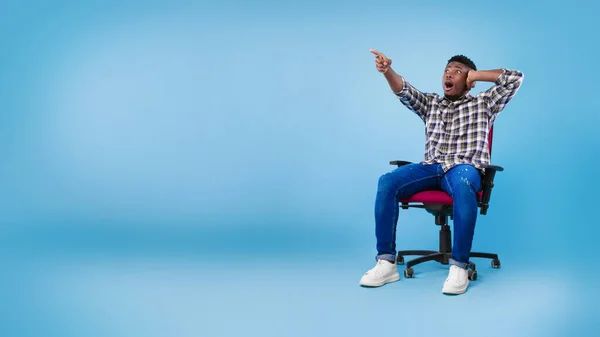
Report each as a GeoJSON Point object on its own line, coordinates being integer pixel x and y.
{"type": "Point", "coordinates": [493, 167]}
{"type": "Point", "coordinates": [487, 183]}
{"type": "Point", "coordinates": [400, 162]}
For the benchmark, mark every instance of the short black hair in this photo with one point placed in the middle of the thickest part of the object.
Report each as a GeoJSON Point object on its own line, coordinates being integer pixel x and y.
{"type": "Point", "coordinates": [464, 60]}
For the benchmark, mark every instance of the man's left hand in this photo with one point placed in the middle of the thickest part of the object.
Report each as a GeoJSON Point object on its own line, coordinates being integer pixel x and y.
{"type": "Point", "coordinates": [470, 79]}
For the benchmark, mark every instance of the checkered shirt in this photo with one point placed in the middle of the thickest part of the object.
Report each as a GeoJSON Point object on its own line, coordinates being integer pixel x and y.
{"type": "Point", "coordinates": [457, 132]}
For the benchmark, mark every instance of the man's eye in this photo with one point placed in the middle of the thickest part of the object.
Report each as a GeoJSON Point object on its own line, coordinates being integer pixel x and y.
{"type": "Point", "coordinates": [458, 71]}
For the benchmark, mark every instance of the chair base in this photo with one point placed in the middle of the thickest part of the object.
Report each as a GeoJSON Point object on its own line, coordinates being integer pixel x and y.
{"type": "Point", "coordinates": [443, 258]}
{"type": "Point", "coordinates": [443, 255]}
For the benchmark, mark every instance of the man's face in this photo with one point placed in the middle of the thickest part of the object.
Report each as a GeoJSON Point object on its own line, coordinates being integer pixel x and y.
{"type": "Point", "coordinates": [454, 80]}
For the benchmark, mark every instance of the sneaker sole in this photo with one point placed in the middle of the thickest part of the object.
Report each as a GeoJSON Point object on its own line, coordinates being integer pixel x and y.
{"type": "Point", "coordinates": [390, 279]}
{"type": "Point", "coordinates": [455, 291]}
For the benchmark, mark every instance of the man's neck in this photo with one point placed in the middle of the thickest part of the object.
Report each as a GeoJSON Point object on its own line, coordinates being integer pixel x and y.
{"type": "Point", "coordinates": [456, 98]}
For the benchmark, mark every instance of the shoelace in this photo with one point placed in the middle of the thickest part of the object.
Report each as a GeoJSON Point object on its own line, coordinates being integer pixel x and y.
{"type": "Point", "coordinates": [379, 264]}
{"type": "Point", "coordinates": [454, 274]}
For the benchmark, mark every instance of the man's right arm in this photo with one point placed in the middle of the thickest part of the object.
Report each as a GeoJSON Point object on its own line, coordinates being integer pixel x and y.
{"type": "Point", "coordinates": [408, 95]}
{"type": "Point", "coordinates": [412, 98]}
{"type": "Point", "coordinates": [395, 81]}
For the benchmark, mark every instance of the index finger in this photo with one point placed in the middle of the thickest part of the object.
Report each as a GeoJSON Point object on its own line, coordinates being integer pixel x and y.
{"type": "Point", "coordinates": [376, 52]}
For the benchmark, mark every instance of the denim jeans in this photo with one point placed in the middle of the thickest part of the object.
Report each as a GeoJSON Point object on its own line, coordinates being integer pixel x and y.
{"type": "Point", "coordinates": [461, 182]}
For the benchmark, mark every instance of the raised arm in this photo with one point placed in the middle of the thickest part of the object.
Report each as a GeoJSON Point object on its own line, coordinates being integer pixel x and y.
{"type": "Point", "coordinates": [412, 98]}
{"type": "Point", "coordinates": [384, 66]}
{"type": "Point", "coordinates": [507, 83]}
{"type": "Point", "coordinates": [483, 76]}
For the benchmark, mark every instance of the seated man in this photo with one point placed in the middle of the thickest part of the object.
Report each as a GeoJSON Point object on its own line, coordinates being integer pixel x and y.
{"type": "Point", "coordinates": [456, 126]}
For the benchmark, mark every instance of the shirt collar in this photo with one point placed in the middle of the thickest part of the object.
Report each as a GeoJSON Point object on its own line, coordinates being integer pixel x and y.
{"type": "Point", "coordinates": [465, 98]}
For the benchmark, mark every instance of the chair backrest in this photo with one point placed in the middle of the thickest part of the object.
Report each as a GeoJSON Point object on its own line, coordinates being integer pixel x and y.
{"type": "Point", "coordinates": [490, 138]}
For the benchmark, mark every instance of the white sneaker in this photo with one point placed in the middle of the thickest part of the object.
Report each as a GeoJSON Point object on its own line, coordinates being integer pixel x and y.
{"type": "Point", "coordinates": [457, 281]}
{"type": "Point", "coordinates": [383, 272]}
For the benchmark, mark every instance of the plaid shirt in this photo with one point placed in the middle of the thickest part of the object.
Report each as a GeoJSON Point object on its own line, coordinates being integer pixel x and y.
{"type": "Point", "coordinates": [457, 132]}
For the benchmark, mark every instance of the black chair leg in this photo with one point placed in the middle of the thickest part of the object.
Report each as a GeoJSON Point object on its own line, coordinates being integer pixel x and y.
{"type": "Point", "coordinates": [401, 254]}
{"type": "Point", "coordinates": [439, 257]}
{"type": "Point", "coordinates": [427, 256]}
{"type": "Point", "coordinates": [493, 257]}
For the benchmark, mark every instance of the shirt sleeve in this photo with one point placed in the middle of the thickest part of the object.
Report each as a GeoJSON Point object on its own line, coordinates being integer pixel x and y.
{"type": "Point", "coordinates": [415, 100]}
{"type": "Point", "coordinates": [504, 89]}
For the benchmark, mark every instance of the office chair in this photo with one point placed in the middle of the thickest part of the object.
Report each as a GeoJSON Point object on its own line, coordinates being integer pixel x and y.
{"type": "Point", "coordinates": [439, 204]}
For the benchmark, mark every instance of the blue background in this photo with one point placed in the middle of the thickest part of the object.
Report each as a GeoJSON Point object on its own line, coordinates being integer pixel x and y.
{"type": "Point", "coordinates": [204, 169]}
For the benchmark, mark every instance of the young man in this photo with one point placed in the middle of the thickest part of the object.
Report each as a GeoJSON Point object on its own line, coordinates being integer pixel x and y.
{"type": "Point", "coordinates": [457, 126]}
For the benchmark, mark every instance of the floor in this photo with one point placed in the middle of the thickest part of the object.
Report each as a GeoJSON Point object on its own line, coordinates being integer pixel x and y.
{"type": "Point", "coordinates": [85, 295]}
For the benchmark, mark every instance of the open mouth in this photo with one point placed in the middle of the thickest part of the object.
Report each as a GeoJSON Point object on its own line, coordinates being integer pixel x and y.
{"type": "Point", "coordinates": [448, 85]}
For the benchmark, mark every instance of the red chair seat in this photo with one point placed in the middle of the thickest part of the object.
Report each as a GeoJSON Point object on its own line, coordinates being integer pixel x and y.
{"type": "Point", "coordinates": [433, 197]}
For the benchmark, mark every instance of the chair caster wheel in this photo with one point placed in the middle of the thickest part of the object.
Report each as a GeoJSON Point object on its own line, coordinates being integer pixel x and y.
{"type": "Point", "coordinates": [409, 273]}
{"type": "Point", "coordinates": [472, 275]}
{"type": "Point", "coordinates": [400, 259]}
{"type": "Point", "coordinates": [495, 263]}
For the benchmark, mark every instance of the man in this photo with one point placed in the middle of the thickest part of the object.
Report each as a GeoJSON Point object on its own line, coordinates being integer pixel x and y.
{"type": "Point", "coordinates": [456, 126]}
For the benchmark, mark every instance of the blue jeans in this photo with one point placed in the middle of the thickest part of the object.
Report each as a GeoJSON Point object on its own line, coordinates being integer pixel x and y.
{"type": "Point", "coordinates": [461, 182]}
